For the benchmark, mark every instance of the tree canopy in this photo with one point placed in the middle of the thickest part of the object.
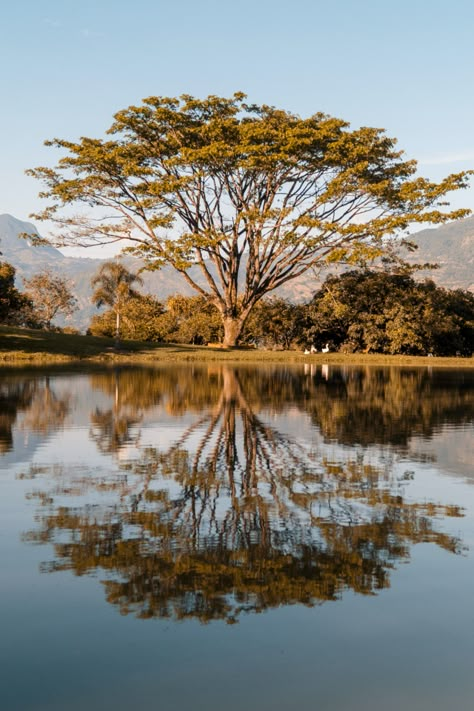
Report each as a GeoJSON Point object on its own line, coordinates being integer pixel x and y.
{"type": "Point", "coordinates": [15, 307]}
{"type": "Point", "coordinates": [252, 195]}
{"type": "Point", "coordinates": [139, 320]}
{"type": "Point", "coordinates": [50, 295]}
{"type": "Point", "coordinates": [382, 312]}
{"type": "Point", "coordinates": [113, 287]}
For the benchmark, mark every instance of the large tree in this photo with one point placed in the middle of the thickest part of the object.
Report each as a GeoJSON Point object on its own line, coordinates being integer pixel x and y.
{"type": "Point", "coordinates": [252, 195]}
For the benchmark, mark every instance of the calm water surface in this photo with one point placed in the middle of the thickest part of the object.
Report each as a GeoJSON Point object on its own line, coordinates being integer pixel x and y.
{"type": "Point", "coordinates": [230, 538]}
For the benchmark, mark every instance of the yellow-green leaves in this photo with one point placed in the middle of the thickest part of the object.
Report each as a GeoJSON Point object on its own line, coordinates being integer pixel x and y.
{"type": "Point", "coordinates": [207, 181]}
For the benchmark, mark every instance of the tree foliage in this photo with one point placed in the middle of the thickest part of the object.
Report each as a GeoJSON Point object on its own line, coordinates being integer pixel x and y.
{"type": "Point", "coordinates": [191, 319]}
{"type": "Point", "coordinates": [140, 320]}
{"type": "Point", "coordinates": [251, 195]}
{"type": "Point", "coordinates": [181, 319]}
{"type": "Point", "coordinates": [10, 298]}
{"type": "Point", "coordinates": [389, 313]}
{"type": "Point", "coordinates": [274, 323]}
{"type": "Point", "coordinates": [50, 295]}
{"type": "Point", "coordinates": [15, 307]}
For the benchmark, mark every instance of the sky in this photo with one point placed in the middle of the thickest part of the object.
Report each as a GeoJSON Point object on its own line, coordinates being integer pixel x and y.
{"type": "Point", "coordinates": [68, 66]}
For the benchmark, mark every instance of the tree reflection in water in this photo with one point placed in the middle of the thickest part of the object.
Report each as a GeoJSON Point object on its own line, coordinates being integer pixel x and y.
{"type": "Point", "coordinates": [43, 410]}
{"type": "Point", "coordinates": [15, 396]}
{"type": "Point", "coordinates": [235, 515]}
{"type": "Point", "coordinates": [389, 405]}
{"type": "Point", "coordinates": [112, 429]}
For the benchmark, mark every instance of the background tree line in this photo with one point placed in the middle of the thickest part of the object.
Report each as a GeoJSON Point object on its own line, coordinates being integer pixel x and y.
{"type": "Point", "coordinates": [361, 310]}
{"type": "Point", "coordinates": [249, 197]}
{"type": "Point", "coordinates": [44, 297]}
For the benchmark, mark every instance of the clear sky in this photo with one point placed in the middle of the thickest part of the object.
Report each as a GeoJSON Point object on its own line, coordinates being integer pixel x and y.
{"type": "Point", "coordinates": [67, 66]}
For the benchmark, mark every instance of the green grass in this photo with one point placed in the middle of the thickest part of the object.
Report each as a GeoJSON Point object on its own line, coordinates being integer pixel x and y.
{"type": "Point", "coordinates": [19, 346]}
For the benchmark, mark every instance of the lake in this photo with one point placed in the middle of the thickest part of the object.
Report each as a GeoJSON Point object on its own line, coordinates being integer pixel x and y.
{"type": "Point", "coordinates": [234, 537]}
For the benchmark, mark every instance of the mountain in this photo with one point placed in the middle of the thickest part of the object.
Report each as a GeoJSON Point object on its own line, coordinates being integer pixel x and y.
{"type": "Point", "coordinates": [21, 250]}
{"type": "Point", "coordinates": [78, 271]}
{"type": "Point", "coordinates": [452, 246]}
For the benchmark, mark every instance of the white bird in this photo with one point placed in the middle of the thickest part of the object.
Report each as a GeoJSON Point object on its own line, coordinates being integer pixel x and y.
{"type": "Point", "coordinates": [325, 349]}
{"type": "Point", "coordinates": [313, 349]}
{"type": "Point", "coordinates": [306, 351]}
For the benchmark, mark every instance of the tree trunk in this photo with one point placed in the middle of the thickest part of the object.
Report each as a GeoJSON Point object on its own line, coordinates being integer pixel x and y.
{"type": "Point", "coordinates": [232, 330]}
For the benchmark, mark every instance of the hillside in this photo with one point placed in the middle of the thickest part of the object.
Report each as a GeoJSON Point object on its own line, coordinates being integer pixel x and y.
{"type": "Point", "coordinates": [452, 246]}
{"type": "Point", "coordinates": [28, 260]}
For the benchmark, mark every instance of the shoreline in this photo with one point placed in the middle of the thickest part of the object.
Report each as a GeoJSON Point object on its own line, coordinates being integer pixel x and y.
{"type": "Point", "coordinates": [25, 347]}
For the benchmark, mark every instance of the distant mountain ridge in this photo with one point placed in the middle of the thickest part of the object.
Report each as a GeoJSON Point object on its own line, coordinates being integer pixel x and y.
{"type": "Point", "coordinates": [451, 245]}
{"type": "Point", "coordinates": [11, 228]}
{"type": "Point", "coordinates": [78, 271]}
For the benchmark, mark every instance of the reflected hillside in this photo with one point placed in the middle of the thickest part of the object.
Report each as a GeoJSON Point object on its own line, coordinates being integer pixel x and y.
{"type": "Point", "coordinates": [234, 515]}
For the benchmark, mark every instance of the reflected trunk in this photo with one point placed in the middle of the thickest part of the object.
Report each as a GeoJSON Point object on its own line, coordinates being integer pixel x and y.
{"type": "Point", "coordinates": [235, 514]}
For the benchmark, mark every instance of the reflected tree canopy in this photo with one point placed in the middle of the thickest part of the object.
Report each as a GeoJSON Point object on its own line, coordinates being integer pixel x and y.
{"type": "Point", "coordinates": [236, 514]}
{"type": "Point", "coordinates": [389, 405]}
{"type": "Point", "coordinates": [15, 396]}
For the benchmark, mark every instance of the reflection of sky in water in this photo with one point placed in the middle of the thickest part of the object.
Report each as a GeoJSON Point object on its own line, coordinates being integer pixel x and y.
{"type": "Point", "coordinates": [63, 646]}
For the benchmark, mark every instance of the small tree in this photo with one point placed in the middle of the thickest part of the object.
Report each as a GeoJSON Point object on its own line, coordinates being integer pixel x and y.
{"type": "Point", "coordinates": [140, 320]}
{"type": "Point", "coordinates": [50, 295]}
{"type": "Point", "coordinates": [274, 323]}
{"type": "Point", "coordinates": [113, 287]}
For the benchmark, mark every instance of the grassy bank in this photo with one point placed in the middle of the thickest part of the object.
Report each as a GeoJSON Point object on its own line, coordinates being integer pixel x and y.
{"type": "Point", "coordinates": [20, 346]}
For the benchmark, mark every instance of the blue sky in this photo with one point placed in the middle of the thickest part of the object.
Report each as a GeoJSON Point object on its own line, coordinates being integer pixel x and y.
{"type": "Point", "coordinates": [67, 66]}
